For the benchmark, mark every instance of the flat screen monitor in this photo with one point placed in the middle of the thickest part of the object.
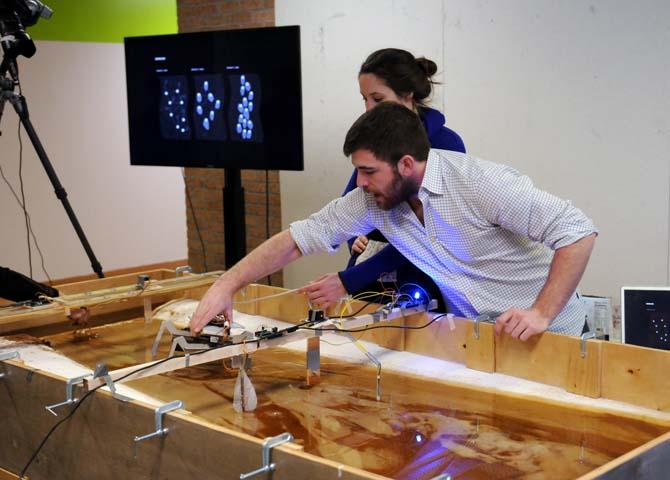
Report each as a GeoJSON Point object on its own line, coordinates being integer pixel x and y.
{"type": "Point", "coordinates": [645, 316]}
{"type": "Point", "coordinates": [222, 99]}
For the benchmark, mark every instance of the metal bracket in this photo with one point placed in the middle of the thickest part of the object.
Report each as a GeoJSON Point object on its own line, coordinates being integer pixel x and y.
{"type": "Point", "coordinates": [484, 317]}
{"type": "Point", "coordinates": [69, 398]}
{"type": "Point", "coordinates": [160, 411]}
{"type": "Point", "coordinates": [582, 341]}
{"type": "Point", "coordinates": [179, 271]}
{"type": "Point", "coordinates": [101, 371]}
{"type": "Point", "coordinates": [268, 445]}
{"type": "Point", "coordinates": [142, 280]}
{"type": "Point", "coordinates": [374, 360]}
{"type": "Point", "coordinates": [8, 356]}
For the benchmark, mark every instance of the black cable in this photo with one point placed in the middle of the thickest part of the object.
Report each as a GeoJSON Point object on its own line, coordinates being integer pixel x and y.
{"type": "Point", "coordinates": [32, 233]}
{"type": "Point", "coordinates": [88, 394]}
{"type": "Point", "coordinates": [30, 228]}
{"type": "Point", "coordinates": [365, 329]}
{"type": "Point", "coordinates": [23, 202]}
{"type": "Point", "coordinates": [267, 213]}
{"type": "Point", "coordinates": [195, 220]}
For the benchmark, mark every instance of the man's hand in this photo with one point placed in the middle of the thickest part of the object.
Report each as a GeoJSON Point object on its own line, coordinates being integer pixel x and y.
{"type": "Point", "coordinates": [521, 324]}
{"type": "Point", "coordinates": [269, 257]}
{"type": "Point", "coordinates": [325, 291]}
{"type": "Point", "coordinates": [359, 244]}
{"type": "Point", "coordinates": [218, 299]}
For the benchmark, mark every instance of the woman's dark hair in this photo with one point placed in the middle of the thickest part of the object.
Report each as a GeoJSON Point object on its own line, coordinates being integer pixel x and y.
{"type": "Point", "coordinates": [403, 73]}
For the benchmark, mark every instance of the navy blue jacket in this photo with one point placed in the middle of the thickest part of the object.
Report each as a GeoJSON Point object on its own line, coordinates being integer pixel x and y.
{"type": "Point", "coordinates": [356, 277]}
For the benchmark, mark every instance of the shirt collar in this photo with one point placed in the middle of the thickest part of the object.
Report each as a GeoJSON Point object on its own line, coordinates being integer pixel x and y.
{"type": "Point", "coordinates": [432, 175]}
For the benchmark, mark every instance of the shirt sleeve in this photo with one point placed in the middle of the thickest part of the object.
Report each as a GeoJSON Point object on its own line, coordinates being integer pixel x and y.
{"type": "Point", "coordinates": [334, 224]}
{"type": "Point", "coordinates": [510, 200]}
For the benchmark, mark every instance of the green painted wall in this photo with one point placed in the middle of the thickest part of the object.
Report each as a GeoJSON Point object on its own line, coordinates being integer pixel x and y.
{"type": "Point", "coordinates": [105, 20]}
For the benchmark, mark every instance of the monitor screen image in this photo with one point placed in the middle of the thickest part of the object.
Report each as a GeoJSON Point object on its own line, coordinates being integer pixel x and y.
{"type": "Point", "coordinates": [645, 316]}
{"type": "Point", "coordinates": [225, 99]}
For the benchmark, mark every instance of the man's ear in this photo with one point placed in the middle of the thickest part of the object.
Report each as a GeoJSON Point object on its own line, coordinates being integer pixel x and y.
{"type": "Point", "coordinates": [406, 165]}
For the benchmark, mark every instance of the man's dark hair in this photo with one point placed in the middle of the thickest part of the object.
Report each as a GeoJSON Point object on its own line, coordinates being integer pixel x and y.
{"type": "Point", "coordinates": [390, 131]}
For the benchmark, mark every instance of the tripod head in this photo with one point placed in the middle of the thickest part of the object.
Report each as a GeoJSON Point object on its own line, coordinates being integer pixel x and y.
{"type": "Point", "coordinates": [15, 16]}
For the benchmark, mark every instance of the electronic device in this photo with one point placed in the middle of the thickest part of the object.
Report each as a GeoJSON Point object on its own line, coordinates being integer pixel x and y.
{"type": "Point", "coordinates": [645, 316]}
{"type": "Point", "coordinates": [224, 99]}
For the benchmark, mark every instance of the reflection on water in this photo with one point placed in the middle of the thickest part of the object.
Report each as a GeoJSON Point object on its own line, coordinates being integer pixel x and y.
{"type": "Point", "coordinates": [419, 430]}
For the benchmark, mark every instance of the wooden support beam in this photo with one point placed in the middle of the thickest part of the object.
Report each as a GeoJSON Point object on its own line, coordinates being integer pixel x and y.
{"type": "Point", "coordinates": [167, 365]}
{"type": "Point", "coordinates": [101, 302]}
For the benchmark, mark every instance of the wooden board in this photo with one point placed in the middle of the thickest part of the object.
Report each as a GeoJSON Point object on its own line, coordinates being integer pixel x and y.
{"type": "Point", "coordinates": [552, 359]}
{"type": "Point", "coordinates": [112, 281]}
{"type": "Point", "coordinates": [438, 340]}
{"type": "Point", "coordinates": [104, 303]}
{"type": "Point", "coordinates": [649, 461]}
{"type": "Point", "coordinates": [169, 265]}
{"type": "Point", "coordinates": [480, 348]}
{"type": "Point", "coordinates": [636, 375]}
{"type": "Point", "coordinates": [5, 475]}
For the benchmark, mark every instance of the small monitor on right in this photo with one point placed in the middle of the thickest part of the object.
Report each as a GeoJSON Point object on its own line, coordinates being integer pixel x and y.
{"type": "Point", "coordinates": [645, 316]}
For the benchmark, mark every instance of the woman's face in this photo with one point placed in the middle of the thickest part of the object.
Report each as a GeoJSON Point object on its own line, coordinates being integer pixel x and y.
{"type": "Point", "coordinates": [374, 90]}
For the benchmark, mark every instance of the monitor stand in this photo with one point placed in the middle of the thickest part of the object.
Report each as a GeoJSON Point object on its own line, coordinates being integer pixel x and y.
{"type": "Point", "coordinates": [233, 217]}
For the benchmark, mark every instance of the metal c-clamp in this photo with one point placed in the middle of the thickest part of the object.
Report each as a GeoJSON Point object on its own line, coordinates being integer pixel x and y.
{"type": "Point", "coordinates": [268, 444]}
{"type": "Point", "coordinates": [69, 390]}
{"type": "Point", "coordinates": [8, 356]}
{"type": "Point", "coordinates": [160, 430]}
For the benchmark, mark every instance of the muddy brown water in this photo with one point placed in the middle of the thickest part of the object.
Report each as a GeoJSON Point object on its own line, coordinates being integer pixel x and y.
{"type": "Point", "coordinates": [419, 429]}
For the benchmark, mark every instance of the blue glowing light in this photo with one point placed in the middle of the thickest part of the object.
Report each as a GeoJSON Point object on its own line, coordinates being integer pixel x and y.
{"type": "Point", "coordinates": [418, 438]}
{"type": "Point", "coordinates": [417, 295]}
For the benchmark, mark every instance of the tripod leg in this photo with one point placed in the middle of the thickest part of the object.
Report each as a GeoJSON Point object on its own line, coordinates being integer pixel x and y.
{"type": "Point", "coordinates": [19, 103]}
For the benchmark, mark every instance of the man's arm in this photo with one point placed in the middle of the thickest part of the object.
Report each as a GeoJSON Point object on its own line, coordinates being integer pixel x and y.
{"type": "Point", "coordinates": [567, 268]}
{"type": "Point", "coordinates": [270, 256]}
{"type": "Point", "coordinates": [327, 290]}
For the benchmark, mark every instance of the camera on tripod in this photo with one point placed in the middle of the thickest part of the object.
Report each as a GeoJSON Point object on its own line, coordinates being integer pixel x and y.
{"type": "Point", "coordinates": [15, 17]}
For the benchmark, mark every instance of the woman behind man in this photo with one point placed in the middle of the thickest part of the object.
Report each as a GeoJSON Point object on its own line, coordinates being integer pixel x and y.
{"type": "Point", "coordinates": [388, 75]}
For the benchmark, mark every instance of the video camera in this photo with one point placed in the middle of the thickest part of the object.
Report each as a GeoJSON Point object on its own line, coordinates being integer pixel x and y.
{"type": "Point", "coordinates": [15, 17]}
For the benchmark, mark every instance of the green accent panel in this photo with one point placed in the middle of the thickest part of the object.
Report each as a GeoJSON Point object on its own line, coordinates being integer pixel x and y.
{"type": "Point", "coordinates": [105, 20]}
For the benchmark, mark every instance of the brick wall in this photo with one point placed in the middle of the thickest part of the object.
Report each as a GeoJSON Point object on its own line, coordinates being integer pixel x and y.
{"type": "Point", "coordinates": [204, 185]}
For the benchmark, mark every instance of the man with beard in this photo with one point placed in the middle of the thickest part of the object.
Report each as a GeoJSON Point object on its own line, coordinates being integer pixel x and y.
{"type": "Point", "coordinates": [490, 240]}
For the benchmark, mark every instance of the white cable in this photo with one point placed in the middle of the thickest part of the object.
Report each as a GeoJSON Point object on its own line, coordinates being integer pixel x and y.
{"type": "Point", "coordinates": [265, 298]}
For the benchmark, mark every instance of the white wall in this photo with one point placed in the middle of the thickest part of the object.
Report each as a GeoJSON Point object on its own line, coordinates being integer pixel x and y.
{"type": "Point", "coordinates": [574, 93]}
{"type": "Point", "coordinates": [131, 215]}
{"type": "Point", "coordinates": [335, 38]}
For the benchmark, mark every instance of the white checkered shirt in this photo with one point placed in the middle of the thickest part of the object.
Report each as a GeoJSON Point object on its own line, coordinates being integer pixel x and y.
{"type": "Point", "coordinates": [488, 238]}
